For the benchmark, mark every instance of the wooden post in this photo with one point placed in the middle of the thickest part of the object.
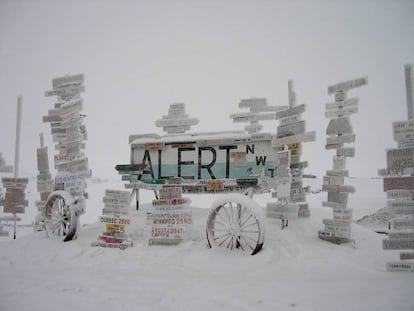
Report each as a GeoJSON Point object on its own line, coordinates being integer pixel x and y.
{"type": "Point", "coordinates": [409, 90]}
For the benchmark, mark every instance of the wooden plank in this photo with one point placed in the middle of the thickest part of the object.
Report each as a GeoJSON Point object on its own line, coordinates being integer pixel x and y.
{"type": "Point", "coordinates": [347, 85]}
{"type": "Point", "coordinates": [348, 103]}
{"type": "Point", "coordinates": [400, 158]}
{"type": "Point", "coordinates": [400, 183]}
{"type": "Point", "coordinates": [295, 110]}
{"type": "Point", "coordinates": [291, 129]}
{"type": "Point", "coordinates": [400, 266]}
{"type": "Point", "coordinates": [398, 244]}
{"type": "Point", "coordinates": [347, 138]}
{"type": "Point", "coordinates": [339, 126]}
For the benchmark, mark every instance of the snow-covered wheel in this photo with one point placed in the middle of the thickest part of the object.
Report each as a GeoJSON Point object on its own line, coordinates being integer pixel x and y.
{"type": "Point", "coordinates": [60, 214]}
{"type": "Point", "coordinates": [236, 222]}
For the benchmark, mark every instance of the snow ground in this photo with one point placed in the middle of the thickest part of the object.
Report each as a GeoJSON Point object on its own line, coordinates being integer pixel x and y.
{"type": "Point", "coordinates": [294, 271]}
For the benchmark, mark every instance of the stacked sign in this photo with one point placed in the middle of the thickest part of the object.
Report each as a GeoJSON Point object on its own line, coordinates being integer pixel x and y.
{"type": "Point", "coordinates": [258, 111]}
{"type": "Point", "coordinates": [69, 133]}
{"type": "Point", "coordinates": [399, 185]}
{"type": "Point", "coordinates": [291, 132]}
{"type": "Point", "coordinates": [340, 132]}
{"type": "Point", "coordinates": [115, 218]}
{"type": "Point", "coordinates": [171, 219]}
{"type": "Point", "coordinates": [177, 121]}
{"type": "Point", "coordinates": [282, 209]}
{"type": "Point", "coordinates": [45, 184]}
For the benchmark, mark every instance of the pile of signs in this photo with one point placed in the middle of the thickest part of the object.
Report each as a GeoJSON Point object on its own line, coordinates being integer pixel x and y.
{"type": "Point", "coordinates": [399, 185]}
{"type": "Point", "coordinates": [171, 220]}
{"type": "Point", "coordinates": [115, 218]}
{"type": "Point", "coordinates": [340, 132]}
{"type": "Point", "coordinates": [45, 184]}
{"type": "Point", "coordinates": [69, 134]}
{"type": "Point", "coordinates": [282, 209]}
{"type": "Point", "coordinates": [177, 121]}
{"type": "Point", "coordinates": [292, 132]}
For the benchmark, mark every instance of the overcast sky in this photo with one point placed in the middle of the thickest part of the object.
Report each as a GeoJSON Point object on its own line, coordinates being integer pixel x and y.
{"type": "Point", "coordinates": [138, 57]}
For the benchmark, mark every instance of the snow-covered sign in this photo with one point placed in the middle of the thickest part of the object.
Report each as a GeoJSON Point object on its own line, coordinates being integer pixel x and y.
{"type": "Point", "coordinates": [345, 86]}
{"type": "Point", "coordinates": [399, 183]}
{"type": "Point", "coordinates": [400, 266]}
{"type": "Point", "coordinates": [398, 244]}
{"type": "Point", "coordinates": [403, 130]}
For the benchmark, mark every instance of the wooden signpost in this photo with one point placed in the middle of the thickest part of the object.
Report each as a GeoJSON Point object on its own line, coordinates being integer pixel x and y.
{"type": "Point", "coordinates": [292, 132]}
{"type": "Point", "coordinates": [399, 185]}
{"type": "Point", "coordinates": [340, 132]}
{"type": "Point", "coordinates": [69, 133]}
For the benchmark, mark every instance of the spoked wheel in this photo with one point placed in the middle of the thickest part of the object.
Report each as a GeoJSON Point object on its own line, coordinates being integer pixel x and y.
{"type": "Point", "coordinates": [61, 219]}
{"type": "Point", "coordinates": [236, 222]}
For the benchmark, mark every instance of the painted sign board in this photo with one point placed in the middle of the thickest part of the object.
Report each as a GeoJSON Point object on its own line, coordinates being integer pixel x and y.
{"type": "Point", "coordinates": [400, 194]}
{"type": "Point", "coordinates": [346, 152]}
{"type": "Point", "coordinates": [398, 244]}
{"type": "Point", "coordinates": [403, 130]}
{"type": "Point", "coordinates": [400, 266]}
{"type": "Point", "coordinates": [339, 126]}
{"type": "Point", "coordinates": [338, 188]}
{"type": "Point", "coordinates": [295, 110]}
{"type": "Point", "coordinates": [345, 86]}
{"type": "Point", "coordinates": [341, 112]}
{"type": "Point", "coordinates": [406, 256]}
{"type": "Point", "coordinates": [400, 158]}
{"type": "Point", "coordinates": [348, 103]}
{"type": "Point", "coordinates": [400, 183]}
{"type": "Point", "coordinates": [401, 224]}
{"type": "Point", "coordinates": [205, 162]}
{"type": "Point", "coordinates": [67, 80]}
{"type": "Point", "coordinates": [70, 177]}
{"type": "Point", "coordinates": [291, 129]}
{"type": "Point", "coordinates": [347, 138]}
{"type": "Point", "coordinates": [306, 137]}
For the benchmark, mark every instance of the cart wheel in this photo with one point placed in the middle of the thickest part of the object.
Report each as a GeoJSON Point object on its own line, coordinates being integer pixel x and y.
{"type": "Point", "coordinates": [61, 218]}
{"type": "Point", "coordinates": [236, 222]}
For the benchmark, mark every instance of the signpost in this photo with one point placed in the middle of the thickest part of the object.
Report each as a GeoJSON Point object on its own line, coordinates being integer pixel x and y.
{"type": "Point", "coordinates": [292, 133]}
{"type": "Point", "coordinates": [340, 132]}
{"type": "Point", "coordinates": [399, 185]}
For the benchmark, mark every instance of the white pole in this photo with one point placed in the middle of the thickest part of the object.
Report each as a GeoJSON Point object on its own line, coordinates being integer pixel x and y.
{"type": "Point", "coordinates": [17, 145]}
{"type": "Point", "coordinates": [17, 149]}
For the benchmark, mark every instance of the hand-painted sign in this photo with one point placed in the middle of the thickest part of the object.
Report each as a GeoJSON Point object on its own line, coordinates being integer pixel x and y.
{"type": "Point", "coordinates": [400, 158]}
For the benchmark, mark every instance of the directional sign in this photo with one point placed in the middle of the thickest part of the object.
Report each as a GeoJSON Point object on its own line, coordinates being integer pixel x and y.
{"type": "Point", "coordinates": [339, 126]}
{"type": "Point", "coordinates": [403, 130]}
{"type": "Point", "coordinates": [400, 158]}
{"type": "Point", "coordinates": [346, 152]}
{"type": "Point", "coordinates": [67, 80]}
{"type": "Point", "coordinates": [338, 188]}
{"type": "Point", "coordinates": [306, 137]}
{"type": "Point", "coordinates": [69, 177]}
{"type": "Point", "coordinates": [347, 138]}
{"type": "Point", "coordinates": [400, 183]}
{"type": "Point", "coordinates": [349, 103]}
{"type": "Point", "coordinates": [341, 112]}
{"type": "Point", "coordinates": [344, 86]}
{"type": "Point", "coordinates": [400, 194]}
{"type": "Point", "coordinates": [398, 244]}
{"type": "Point", "coordinates": [291, 129]}
{"type": "Point", "coordinates": [400, 266]}
{"type": "Point", "coordinates": [295, 110]}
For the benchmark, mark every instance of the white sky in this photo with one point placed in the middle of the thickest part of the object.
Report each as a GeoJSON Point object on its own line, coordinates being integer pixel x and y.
{"type": "Point", "coordinates": [140, 56]}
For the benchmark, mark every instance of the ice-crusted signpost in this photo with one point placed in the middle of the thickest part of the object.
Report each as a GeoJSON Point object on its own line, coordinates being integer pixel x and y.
{"type": "Point", "coordinates": [399, 185]}
{"type": "Point", "coordinates": [340, 132]}
{"type": "Point", "coordinates": [64, 205]}
{"type": "Point", "coordinates": [291, 133]}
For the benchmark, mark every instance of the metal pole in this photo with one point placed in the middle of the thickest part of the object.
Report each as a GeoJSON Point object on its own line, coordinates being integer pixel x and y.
{"type": "Point", "coordinates": [17, 151]}
{"type": "Point", "coordinates": [409, 90]}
